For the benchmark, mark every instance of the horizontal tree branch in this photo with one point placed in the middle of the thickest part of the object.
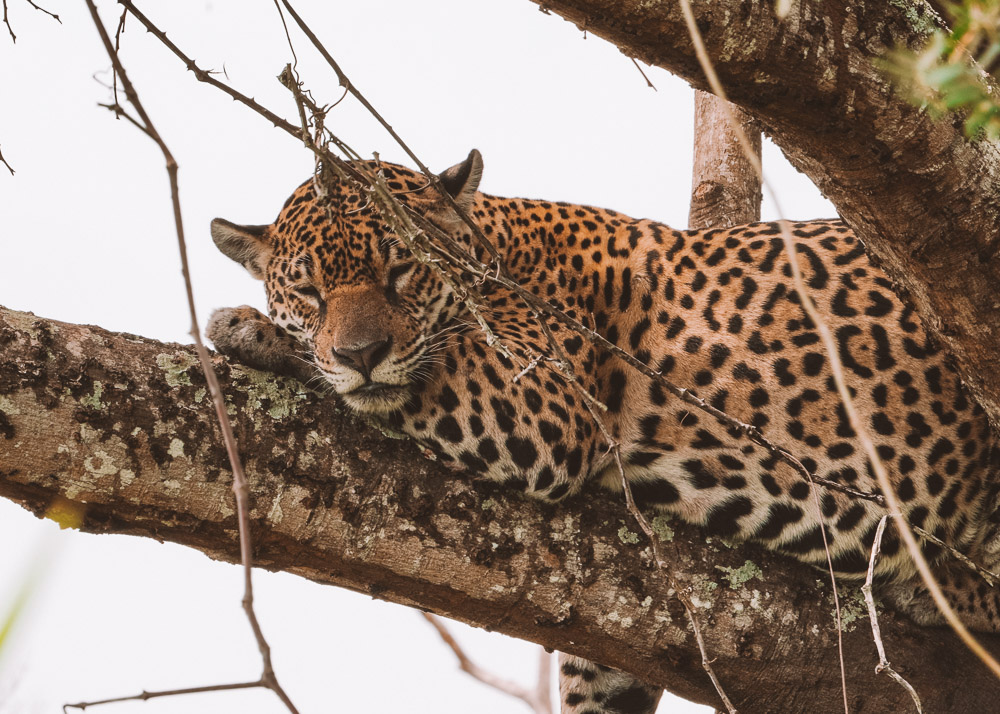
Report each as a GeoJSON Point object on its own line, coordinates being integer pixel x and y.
{"type": "Point", "coordinates": [923, 198]}
{"type": "Point", "coordinates": [123, 427]}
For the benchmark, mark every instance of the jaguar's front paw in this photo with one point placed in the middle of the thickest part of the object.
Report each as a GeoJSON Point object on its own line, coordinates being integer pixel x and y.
{"type": "Point", "coordinates": [246, 335]}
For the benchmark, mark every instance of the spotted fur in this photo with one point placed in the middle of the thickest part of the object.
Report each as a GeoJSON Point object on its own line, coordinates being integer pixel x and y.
{"type": "Point", "coordinates": [711, 310]}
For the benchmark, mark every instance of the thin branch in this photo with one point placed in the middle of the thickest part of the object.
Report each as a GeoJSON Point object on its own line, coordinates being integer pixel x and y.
{"type": "Point", "coordinates": [4, 162]}
{"type": "Point", "coordinates": [42, 9]}
{"type": "Point", "coordinates": [648, 83]}
{"type": "Point", "coordinates": [6, 21]}
{"type": "Point", "coordinates": [537, 698]}
{"type": "Point", "coordinates": [866, 589]}
{"type": "Point", "coordinates": [205, 76]}
{"type": "Point", "coordinates": [288, 37]}
{"type": "Point", "coordinates": [144, 695]}
{"type": "Point", "coordinates": [881, 475]}
{"type": "Point", "coordinates": [240, 487]}
{"type": "Point", "coordinates": [119, 31]}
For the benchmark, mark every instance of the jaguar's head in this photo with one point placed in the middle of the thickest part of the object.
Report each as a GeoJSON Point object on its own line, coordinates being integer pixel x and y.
{"type": "Point", "coordinates": [341, 282]}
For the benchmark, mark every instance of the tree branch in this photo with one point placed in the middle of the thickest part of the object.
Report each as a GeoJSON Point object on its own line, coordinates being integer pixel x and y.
{"type": "Point", "coordinates": [123, 426]}
{"type": "Point", "coordinates": [922, 197]}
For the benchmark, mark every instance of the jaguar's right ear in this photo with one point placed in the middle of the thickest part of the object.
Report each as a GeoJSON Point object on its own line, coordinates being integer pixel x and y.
{"type": "Point", "coordinates": [247, 245]}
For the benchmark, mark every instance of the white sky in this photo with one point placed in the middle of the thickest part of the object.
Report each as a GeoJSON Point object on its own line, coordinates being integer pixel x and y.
{"type": "Point", "coordinates": [87, 236]}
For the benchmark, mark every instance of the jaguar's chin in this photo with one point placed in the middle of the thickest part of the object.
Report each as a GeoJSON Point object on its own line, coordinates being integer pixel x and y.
{"type": "Point", "coordinates": [377, 398]}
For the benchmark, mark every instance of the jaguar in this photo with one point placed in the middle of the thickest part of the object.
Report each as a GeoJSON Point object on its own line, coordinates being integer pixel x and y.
{"type": "Point", "coordinates": [714, 311]}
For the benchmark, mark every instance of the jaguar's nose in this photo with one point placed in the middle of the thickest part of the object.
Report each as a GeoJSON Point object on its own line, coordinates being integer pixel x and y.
{"type": "Point", "coordinates": [363, 358]}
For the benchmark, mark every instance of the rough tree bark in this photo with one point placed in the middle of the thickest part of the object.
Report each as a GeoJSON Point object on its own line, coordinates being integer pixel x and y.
{"type": "Point", "coordinates": [122, 426]}
{"type": "Point", "coordinates": [725, 188]}
{"type": "Point", "coordinates": [925, 200]}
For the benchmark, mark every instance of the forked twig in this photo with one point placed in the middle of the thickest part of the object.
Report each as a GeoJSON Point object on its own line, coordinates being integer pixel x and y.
{"type": "Point", "coordinates": [241, 489]}
{"type": "Point", "coordinates": [6, 20]}
{"type": "Point", "coordinates": [539, 698]}
{"type": "Point", "coordinates": [883, 662]}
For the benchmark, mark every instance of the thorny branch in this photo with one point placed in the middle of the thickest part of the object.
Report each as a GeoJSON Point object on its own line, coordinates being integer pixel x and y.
{"type": "Point", "coordinates": [866, 589]}
{"type": "Point", "coordinates": [6, 20]}
{"type": "Point", "coordinates": [539, 698]}
{"type": "Point", "coordinates": [241, 490]}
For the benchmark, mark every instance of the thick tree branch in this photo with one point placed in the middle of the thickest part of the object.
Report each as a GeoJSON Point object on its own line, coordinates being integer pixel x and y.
{"type": "Point", "coordinates": [923, 198]}
{"type": "Point", "coordinates": [122, 425]}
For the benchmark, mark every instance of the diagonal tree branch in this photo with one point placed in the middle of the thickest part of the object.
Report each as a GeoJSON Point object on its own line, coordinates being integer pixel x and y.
{"type": "Point", "coordinates": [114, 422]}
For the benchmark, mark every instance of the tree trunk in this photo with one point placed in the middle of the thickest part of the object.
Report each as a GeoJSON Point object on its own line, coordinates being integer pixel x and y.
{"type": "Point", "coordinates": [925, 201]}
{"type": "Point", "coordinates": [725, 188]}
{"type": "Point", "coordinates": [122, 426]}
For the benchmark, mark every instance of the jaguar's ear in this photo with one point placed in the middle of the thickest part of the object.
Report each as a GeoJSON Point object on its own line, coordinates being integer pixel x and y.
{"type": "Point", "coordinates": [462, 180]}
{"type": "Point", "coordinates": [247, 245]}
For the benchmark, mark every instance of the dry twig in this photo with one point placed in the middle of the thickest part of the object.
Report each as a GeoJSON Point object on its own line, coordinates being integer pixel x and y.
{"type": "Point", "coordinates": [539, 698]}
{"type": "Point", "coordinates": [267, 680]}
{"type": "Point", "coordinates": [883, 663]}
{"type": "Point", "coordinates": [4, 162]}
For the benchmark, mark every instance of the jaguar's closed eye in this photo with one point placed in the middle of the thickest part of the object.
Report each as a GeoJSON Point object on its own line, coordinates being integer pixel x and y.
{"type": "Point", "coordinates": [308, 292]}
{"type": "Point", "coordinates": [395, 273]}
{"type": "Point", "coordinates": [398, 271]}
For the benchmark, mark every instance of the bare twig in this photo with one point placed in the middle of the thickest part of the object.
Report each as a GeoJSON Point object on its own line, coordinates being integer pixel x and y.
{"type": "Point", "coordinates": [538, 699]}
{"type": "Point", "coordinates": [6, 21]}
{"type": "Point", "coordinates": [881, 475]}
{"type": "Point", "coordinates": [4, 162]}
{"type": "Point", "coordinates": [648, 83]}
{"type": "Point", "coordinates": [42, 9]}
{"type": "Point", "coordinates": [241, 490]}
{"type": "Point", "coordinates": [119, 31]}
{"type": "Point", "coordinates": [866, 589]}
{"type": "Point", "coordinates": [144, 695]}
{"type": "Point", "coordinates": [288, 37]}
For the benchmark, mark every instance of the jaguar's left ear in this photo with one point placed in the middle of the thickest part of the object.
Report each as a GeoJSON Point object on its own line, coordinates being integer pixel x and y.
{"type": "Point", "coordinates": [462, 180]}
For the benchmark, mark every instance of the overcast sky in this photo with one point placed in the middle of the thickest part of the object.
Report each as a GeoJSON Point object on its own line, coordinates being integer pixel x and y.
{"type": "Point", "coordinates": [87, 236]}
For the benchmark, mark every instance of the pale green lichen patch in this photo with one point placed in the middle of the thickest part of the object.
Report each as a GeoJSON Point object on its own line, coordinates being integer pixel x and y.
{"type": "Point", "coordinates": [488, 505]}
{"type": "Point", "coordinates": [920, 22]}
{"type": "Point", "coordinates": [176, 449]}
{"type": "Point", "coordinates": [200, 395]}
{"type": "Point", "coordinates": [100, 464]}
{"type": "Point", "coordinates": [175, 367]}
{"type": "Point", "coordinates": [627, 537]}
{"type": "Point", "coordinates": [738, 576]}
{"type": "Point", "coordinates": [661, 527]}
{"type": "Point", "coordinates": [282, 400]}
{"type": "Point", "coordinates": [94, 400]}
{"type": "Point", "coordinates": [7, 406]}
{"type": "Point", "coordinates": [852, 608]}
